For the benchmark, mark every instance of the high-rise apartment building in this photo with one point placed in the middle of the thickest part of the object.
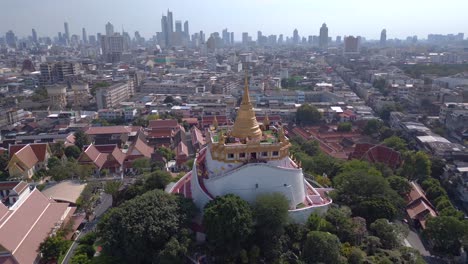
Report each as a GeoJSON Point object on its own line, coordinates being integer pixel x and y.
{"type": "Point", "coordinates": [67, 33]}
{"type": "Point", "coordinates": [323, 38]}
{"type": "Point", "coordinates": [178, 26]}
{"type": "Point", "coordinates": [383, 37]}
{"type": "Point", "coordinates": [109, 29]}
{"type": "Point", "coordinates": [296, 38]}
{"type": "Point", "coordinates": [10, 39]}
{"type": "Point", "coordinates": [245, 38]}
{"type": "Point", "coordinates": [351, 45]}
{"type": "Point", "coordinates": [34, 36]}
{"type": "Point", "coordinates": [112, 47]}
{"type": "Point", "coordinates": [112, 96]}
{"type": "Point", "coordinates": [84, 36]}
{"type": "Point", "coordinates": [186, 29]}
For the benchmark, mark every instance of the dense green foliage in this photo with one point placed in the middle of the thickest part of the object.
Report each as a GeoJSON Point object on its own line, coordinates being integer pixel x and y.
{"type": "Point", "coordinates": [345, 127]}
{"type": "Point", "coordinates": [322, 247]}
{"type": "Point", "coordinates": [81, 139]}
{"type": "Point", "coordinates": [228, 221]}
{"type": "Point", "coordinates": [142, 230]}
{"type": "Point", "coordinates": [308, 115]}
{"type": "Point", "coordinates": [72, 152]}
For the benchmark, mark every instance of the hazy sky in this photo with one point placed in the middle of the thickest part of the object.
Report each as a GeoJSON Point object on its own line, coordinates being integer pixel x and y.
{"type": "Point", "coordinates": [367, 18]}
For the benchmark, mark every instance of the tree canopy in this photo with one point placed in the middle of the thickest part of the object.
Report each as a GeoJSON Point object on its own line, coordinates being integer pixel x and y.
{"type": "Point", "coordinates": [140, 229]}
{"type": "Point", "coordinates": [308, 115]}
{"type": "Point", "coordinates": [228, 222]}
{"type": "Point", "coordinates": [322, 247]}
{"type": "Point", "coordinates": [81, 139]}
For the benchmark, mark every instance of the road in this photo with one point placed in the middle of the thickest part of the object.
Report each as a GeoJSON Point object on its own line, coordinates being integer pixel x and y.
{"type": "Point", "coordinates": [106, 203]}
{"type": "Point", "coordinates": [413, 240]}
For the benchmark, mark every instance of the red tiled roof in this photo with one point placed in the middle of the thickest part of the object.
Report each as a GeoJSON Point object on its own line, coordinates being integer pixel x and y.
{"type": "Point", "coordinates": [191, 120]}
{"type": "Point", "coordinates": [111, 130]}
{"type": "Point", "coordinates": [160, 133]}
{"type": "Point", "coordinates": [29, 224]}
{"type": "Point", "coordinates": [40, 150]}
{"type": "Point", "coordinates": [272, 118]}
{"type": "Point", "coordinates": [143, 148]}
{"type": "Point", "coordinates": [27, 156]}
{"type": "Point", "coordinates": [21, 187]}
{"type": "Point", "coordinates": [167, 123]}
{"type": "Point", "coordinates": [182, 149]}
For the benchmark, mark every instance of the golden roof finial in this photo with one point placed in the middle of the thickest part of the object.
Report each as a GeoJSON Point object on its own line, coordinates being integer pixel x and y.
{"type": "Point", "coordinates": [246, 125]}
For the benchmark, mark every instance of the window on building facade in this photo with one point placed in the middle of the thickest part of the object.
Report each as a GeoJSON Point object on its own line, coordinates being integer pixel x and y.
{"type": "Point", "coordinates": [275, 153]}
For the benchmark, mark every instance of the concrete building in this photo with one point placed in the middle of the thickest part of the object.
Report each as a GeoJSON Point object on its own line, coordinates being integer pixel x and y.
{"type": "Point", "coordinates": [112, 47]}
{"type": "Point", "coordinates": [171, 88]}
{"type": "Point", "coordinates": [351, 45]}
{"type": "Point", "coordinates": [323, 38]}
{"type": "Point", "coordinates": [112, 96]}
{"type": "Point", "coordinates": [383, 38]}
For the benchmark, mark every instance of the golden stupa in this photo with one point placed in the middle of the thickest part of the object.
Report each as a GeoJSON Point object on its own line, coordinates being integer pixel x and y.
{"type": "Point", "coordinates": [246, 125]}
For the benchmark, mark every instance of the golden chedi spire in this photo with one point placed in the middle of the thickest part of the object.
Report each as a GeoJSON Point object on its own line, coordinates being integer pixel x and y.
{"type": "Point", "coordinates": [215, 123]}
{"type": "Point", "coordinates": [246, 125]}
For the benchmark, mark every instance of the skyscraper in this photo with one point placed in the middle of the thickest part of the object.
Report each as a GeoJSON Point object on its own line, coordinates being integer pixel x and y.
{"type": "Point", "coordinates": [226, 37]}
{"type": "Point", "coordinates": [383, 37]}
{"type": "Point", "coordinates": [232, 38]}
{"type": "Point", "coordinates": [10, 39]}
{"type": "Point", "coordinates": [34, 36]}
{"type": "Point", "coordinates": [84, 36]}
{"type": "Point", "coordinates": [245, 38]}
{"type": "Point", "coordinates": [323, 38]}
{"type": "Point", "coordinates": [280, 39]}
{"type": "Point", "coordinates": [109, 29]}
{"type": "Point", "coordinates": [295, 36]}
{"type": "Point", "coordinates": [170, 22]}
{"type": "Point", "coordinates": [178, 26]}
{"type": "Point", "coordinates": [67, 32]}
{"type": "Point", "coordinates": [186, 29]}
{"type": "Point", "coordinates": [165, 30]}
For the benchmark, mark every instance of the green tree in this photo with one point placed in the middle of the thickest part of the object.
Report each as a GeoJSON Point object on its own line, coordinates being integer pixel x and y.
{"type": "Point", "coordinates": [80, 259]}
{"type": "Point", "coordinates": [322, 247]}
{"type": "Point", "coordinates": [417, 165]}
{"type": "Point", "coordinates": [57, 149]}
{"type": "Point", "coordinates": [308, 115]}
{"type": "Point", "coordinates": [395, 143]}
{"type": "Point", "coordinates": [372, 126]}
{"type": "Point", "coordinates": [81, 139]}
{"type": "Point", "coordinates": [52, 247]}
{"type": "Point", "coordinates": [112, 188]}
{"type": "Point", "coordinates": [157, 180]}
{"type": "Point", "coordinates": [169, 99]}
{"type": "Point", "coordinates": [387, 233]}
{"type": "Point", "coordinates": [142, 164]}
{"type": "Point", "coordinates": [447, 233]}
{"type": "Point", "coordinates": [400, 184]}
{"type": "Point", "coordinates": [167, 153]}
{"type": "Point", "coordinates": [271, 216]}
{"type": "Point", "coordinates": [317, 223]}
{"type": "Point", "coordinates": [53, 162]}
{"type": "Point", "coordinates": [72, 152]}
{"type": "Point", "coordinates": [138, 230]}
{"type": "Point", "coordinates": [229, 222]}
{"type": "Point", "coordinates": [345, 127]}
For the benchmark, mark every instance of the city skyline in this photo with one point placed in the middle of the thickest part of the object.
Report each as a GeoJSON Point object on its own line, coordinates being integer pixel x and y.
{"type": "Point", "coordinates": [342, 18]}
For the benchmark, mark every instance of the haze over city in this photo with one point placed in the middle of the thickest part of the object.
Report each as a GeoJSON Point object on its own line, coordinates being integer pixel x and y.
{"type": "Point", "coordinates": [364, 17]}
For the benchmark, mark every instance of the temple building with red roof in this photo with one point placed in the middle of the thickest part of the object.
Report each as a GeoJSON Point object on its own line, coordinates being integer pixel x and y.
{"type": "Point", "coordinates": [26, 223]}
{"type": "Point", "coordinates": [25, 160]}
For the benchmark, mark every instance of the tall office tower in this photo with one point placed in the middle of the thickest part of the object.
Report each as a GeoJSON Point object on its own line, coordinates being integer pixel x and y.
{"type": "Point", "coordinates": [259, 37]}
{"type": "Point", "coordinates": [92, 40]}
{"type": "Point", "coordinates": [170, 22]}
{"type": "Point", "coordinates": [165, 31]}
{"type": "Point", "coordinates": [295, 36]}
{"type": "Point", "coordinates": [232, 38]}
{"type": "Point", "coordinates": [112, 47]}
{"type": "Point", "coordinates": [323, 38]}
{"type": "Point", "coordinates": [178, 26]}
{"type": "Point", "coordinates": [310, 40]}
{"type": "Point", "coordinates": [351, 45]}
{"type": "Point", "coordinates": [109, 29]}
{"type": "Point", "coordinates": [186, 29]}
{"type": "Point", "coordinates": [67, 32]}
{"type": "Point", "coordinates": [226, 36]}
{"type": "Point", "coordinates": [245, 38]}
{"type": "Point", "coordinates": [10, 39]}
{"type": "Point", "coordinates": [338, 40]}
{"type": "Point", "coordinates": [34, 36]}
{"type": "Point", "coordinates": [202, 36]}
{"type": "Point", "coordinates": [84, 36]}
{"type": "Point", "coordinates": [280, 39]}
{"type": "Point", "coordinates": [383, 37]}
